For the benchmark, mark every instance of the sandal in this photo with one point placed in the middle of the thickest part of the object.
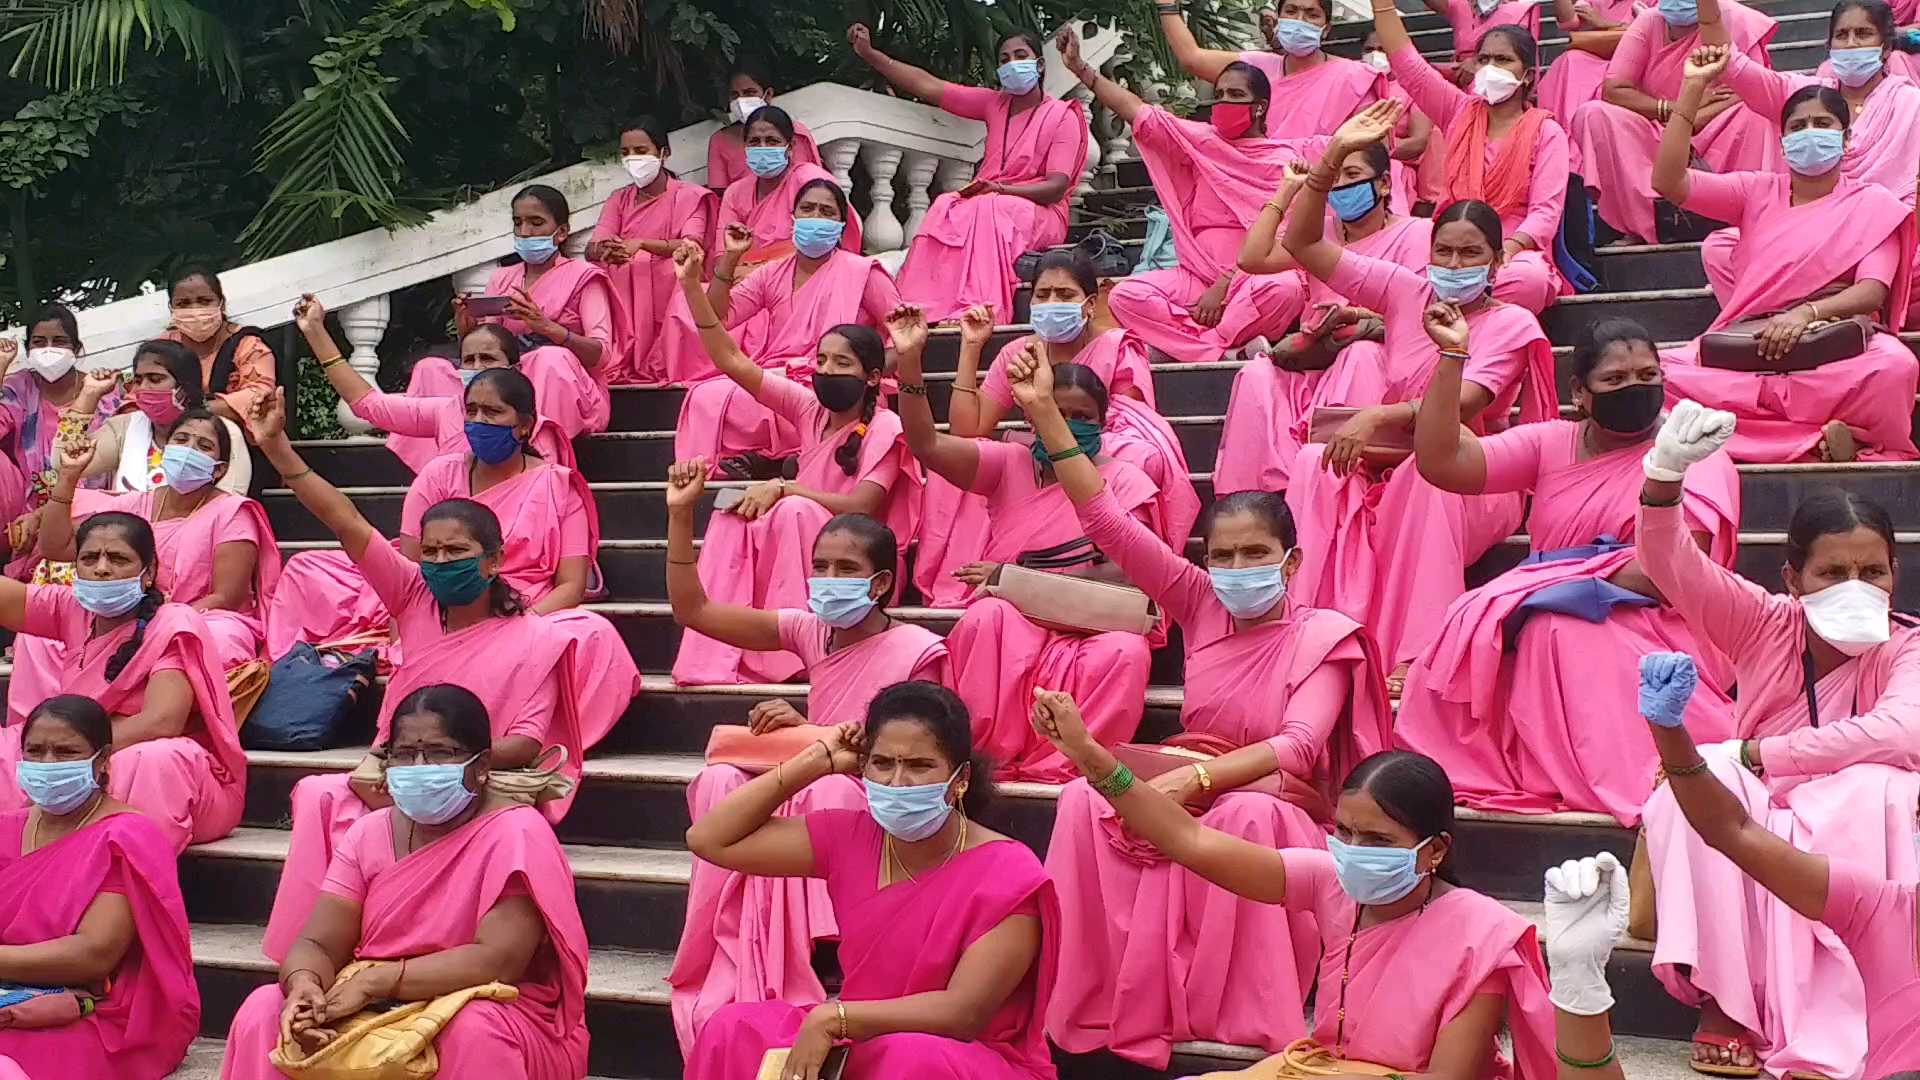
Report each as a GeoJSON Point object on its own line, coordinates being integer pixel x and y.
{"type": "Point", "coordinates": [1733, 1045]}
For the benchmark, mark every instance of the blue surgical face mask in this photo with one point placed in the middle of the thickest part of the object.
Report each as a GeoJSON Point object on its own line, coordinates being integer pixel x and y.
{"type": "Point", "coordinates": [814, 237]}
{"type": "Point", "coordinates": [1058, 322]}
{"type": "Point", "coordinates": [430, 794]}
{"type": "Point", "coordinates": [1297, 37]}
{"type": "Point", "coordinates": [492, 443]}
{"type": "Point", "coordinates": [1248, 592]}
{"type": "Point", "coordinates": [1461, 286]}
{"type": "Point", "coordinates": [1085, 432]}
{"type": "Point", "coordinates": [767, 162]}
{"type": "Point", "coordinates": [187, 470]}
{"type": "Point", "coordinates": [1814, 151]}
{"type": "Point", "coordinates": [109, 599]}
{"type": "Point", "coordinates": [1856, 67]}
{"type": "Point", "coordinates": [1019, 76]}
{"type": "Point", "coordinates": [1351, 202]}
{"type": "Point", "coordinates": [910, 813]}
{"type": "Point", "coordinates": [58, 787]}
{"type": "Point", "coordinates": [1376, 875]}
{"type": "Point", "coordinates": [467, 375]}
{"type": "Point", "coordinates": [1680, 12]}
{"type": "Point", "coordinates": [536, 250]}
{"type": "Point", "coordinates": [840, 602]}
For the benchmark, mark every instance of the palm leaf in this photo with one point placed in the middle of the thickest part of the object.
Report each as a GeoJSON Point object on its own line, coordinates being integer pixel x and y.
{"type": "Point", "coordinates": [87, 42]}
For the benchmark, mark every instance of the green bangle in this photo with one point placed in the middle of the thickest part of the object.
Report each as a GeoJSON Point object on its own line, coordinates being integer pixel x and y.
{"type": "Point", "coordinates": [1074, 451]}
{"type": "Point", "coordinates": [1685, 770]}
{"type": "Point", "coordinates": [1576, 1063]}
{"type": "Point", "coordinates": [1116, 783]}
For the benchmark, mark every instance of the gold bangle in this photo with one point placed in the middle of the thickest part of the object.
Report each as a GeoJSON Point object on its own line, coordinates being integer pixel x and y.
{"type": "Point", "coordinates": [52, 498]}
{"type": "Point", "coordinates": [301, 475]}
{"type": "Point", "coordinates": [958, 389]}
{"type": "Point", "coordinates": [1206, 780]}
{"type": "Point", "coordinates": [1815, 308]}
{"type": "Point", "coordinates": [715, 325]}
{"type": "Point", "coordinates": [841, 1008]}
{"type": "Point", "coordinates": [329, 365]}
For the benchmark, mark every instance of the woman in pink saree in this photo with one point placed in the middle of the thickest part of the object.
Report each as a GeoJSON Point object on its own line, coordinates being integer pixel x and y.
{"type": "Point", "coordinates": [1275, 395]}
{"type": "Point", "coordinates": [1615, 138]}
{"type": "Point", "coordinates": [564, 309]}
{"type": "Point", "coordinates": [1824, 756]}
{"type": "Point", "coordinates": [1313, 91]}
{"type": "Point", "coordinates": [34, 401]}
{"type": "Point", "coordinates": [447, 889]}
{"type": "Point", "coordinates": [1523, 696]}
{"type": "Point", "coordinates": [1380, 543]}
{"type": "Point", "coordinates": [1575, 76]}
{"type": "Point", "coordinates": [1873, 917]}
{"type": "Point", "coordinates": [748, 89]}
{"type": "Point", "coordinates": [1433, 970]}
{"type": "Point", "coordinates": [999, 655]}
{"type": "Point", "coordinates": [1017, 200]}
{"type": "Point", "coordinates": [152, 664]}
{"type": "Point", "coordinates": [853, 460]}
{"type": "Point", "coordinates": [1285, 699]}
{"type": "Point", "coordinates": [954, 524]}
{"type": "Point", "coordinates": [92, 900]}
{"type": "Point", "coordinates": [948, 931]}
{"type": "Point", "coordinates": [1501, 149]}
{"type": "Point", "coordinates": [1814, 245]}
{"type": "Point", "coordinates": [547, 680]}
{"type": "Point", "coordinates": [1215, 178]}
{"type": "Point", "coordinates": [750, 938]}
{"type": "Point", "coordinates": [639, 229]}
{"type": "Point", "coordinates": [1471, 19]}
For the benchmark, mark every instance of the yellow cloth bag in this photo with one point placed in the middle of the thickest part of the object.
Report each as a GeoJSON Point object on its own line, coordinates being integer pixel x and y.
{"type": "Point", "coordinates": [1301, 1060]}
{"type": "Point", "coordinates": [392, 1045]}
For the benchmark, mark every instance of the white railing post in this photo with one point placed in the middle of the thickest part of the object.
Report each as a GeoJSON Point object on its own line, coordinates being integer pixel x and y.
{"type": "Point", "coordinates": [1094, 155]}
{"type": "Point", "coordinates": [473, 280]}
{"type": "Point", "coordinates": [837, 158]}
{"type": "Point", "coordinates": [952, 174]}
{"type": "Point", "coordinates": [920, 168]}
{"type": "Point", "coordinates": [883, 231]}
{"type": "Point", "coordinates": [365, 324]}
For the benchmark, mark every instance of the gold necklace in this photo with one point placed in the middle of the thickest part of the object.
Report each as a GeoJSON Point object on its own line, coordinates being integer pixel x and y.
{"type": "Point", "coordinates": [893, 853]}
{"type": "Point", "coordinates": [33, 832]}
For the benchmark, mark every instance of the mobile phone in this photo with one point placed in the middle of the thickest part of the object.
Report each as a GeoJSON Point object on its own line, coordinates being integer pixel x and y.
{"type": "Point", "coordinates": [728, 498]}
{"type": "Point", "coordinates": [486, 306]}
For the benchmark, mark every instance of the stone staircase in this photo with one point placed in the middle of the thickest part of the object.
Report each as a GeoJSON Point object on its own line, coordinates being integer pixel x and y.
{"type": "Point", "coordinates": [625, 833]}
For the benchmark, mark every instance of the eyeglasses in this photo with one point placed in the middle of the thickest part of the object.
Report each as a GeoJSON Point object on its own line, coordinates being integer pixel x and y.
{"type": "Point", "coordinates": [416, 755]}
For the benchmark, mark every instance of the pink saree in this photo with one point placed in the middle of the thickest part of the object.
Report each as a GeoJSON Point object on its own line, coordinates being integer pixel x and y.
{"type": "Point", "coordinates": [1390, 549]}
{"type": "Point", "coordinates": [1318, 100]}
{"type": "Point", "coordinates": [1615, 147]}
{"type": "Point", "coordinates": [577, 295]}
{"type": "Point", "coordinates": [750, 939]}
{"type": "Point", "coordinates": [141, 1028]}
{"type": "Point", "coordinates": [1470, 24]}
{"type": "Point", "coordinates": [764, 563]}
{"type": "Point", "coordinates": [1787, 254]}
{"type": "Point", "coordinates": [999, 657]}
{"type": "Point", "coordinates": [433, 900]}
{"type": "Point", "coordinates": [1574, 78]}
{"type": "Point", "coordinates": [193, 784]}
{"type": "Point", "coordinates": [1164, 956]}
{"type": "Point", "coordinates": [1215, 188]}
{"type": "Point", "coordinates": [907, 939]}
{"type": "Point", "coordinates": [1841, 782]}
{"type": "Point", "coordinates": [1269, 410]}
{"type": "Point", "coordinates": [1545, 719]}
{"type": "Point", "coordinates": [645, 285]}
{"type": "Point", "coordinates": [964, 252]}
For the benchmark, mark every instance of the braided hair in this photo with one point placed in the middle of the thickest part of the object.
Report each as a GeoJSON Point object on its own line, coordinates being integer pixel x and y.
{"type": "Point", "coordinates": [484, 527]}
{"type": "Point", "coordinates": [866, 345]}
{"type": "Point", "coordinates": [139, 536]}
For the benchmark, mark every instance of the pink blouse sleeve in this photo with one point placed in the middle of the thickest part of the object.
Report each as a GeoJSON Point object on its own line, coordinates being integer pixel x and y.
{"type": "Point", "coordinates": [1067, 149]}
{"type": "Point", "coordinates": [696, 226]}
{"type": "Point", "coordinates": [535, 718]}
{"type": "Point", "coordinates": [595, 304]}
{"type": "Point", "coordinates": [878, 300]}
{"type": "Point", "coordinates": [345, 877]}
{"type": "Point", "coordinates": [835, 836]}
{"type": "Point", "coordinates": [789, 400]}
{"type": "Point", "coordinates": [400, 414]}
{"type": "Point", "coordinates": [717, 174]}
{"type": "Point", "coordinates": [995, 457]}
{"type": "Point", "coordinates": [972, 102]}
{"type": "Point", "coordinates": [52, 612]}
{"type": "Point", "coordinates": [1174, 583]}
{"type": "Point", "coordinates": [1312, 885]}
{"type": "Point", "coordinates": [1629, 62]}
{"type": "Point", "coordinates": [1720, 196]}
{"type": "Point", "coordinates": [1513, 458]}
{"type": "Point", "coordinates": [1429, 91]}
{"type": "Point", "coordinates": [607, 228]}
{"type": "Point", "coordinates": [1311, 712]}
{"type": "Point", "coordinates": [576, 540]}
{"type": "Point", "coordinates": [1761, 88]}
{"type": "Point", "coordinates": [1861, 904]}
{"type": "Point", "coordinates": [1547, 191]}
{"type": "Point", "coordinates": [1373, 283]}
{"type": "Point", "coordinates": [1887, 734]}
{"type": "Point", "coordinates": [1494, 372]}
{"type": "Point", "coordinates": [393, 577]}
{"type": "Point", "coordinates": [429, 487]}
{"type": "Point", "coordinates": [1716, 602]}
{"type": "Point", "coordinates": [804, 635]}
{"type": "Point", "coordinates": [749, 297]}
{"type": "Point", "coordinates": [1882, 263]}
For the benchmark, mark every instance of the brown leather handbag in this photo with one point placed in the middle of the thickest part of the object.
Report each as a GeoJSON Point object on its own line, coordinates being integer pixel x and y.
{"type": "Point", "coordinates": [1073, 605]}
{"type": "Point", "coordinates": [1736, 347]}
{"type": "Point", "coordinates": [1390, 447]}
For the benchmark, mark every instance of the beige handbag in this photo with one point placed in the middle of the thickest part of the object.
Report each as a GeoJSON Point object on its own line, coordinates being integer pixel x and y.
{"type": "Point", "coordinates": [392, 1045]}
{"type": "Point", "coordinates": [536, 782]}
{"type": "Point", "coordinates": [1390, 447]}
{"type": "Point", "coordinates": [1301, 1061]}
{"type": "Point", "coordinates": [1073, 605]}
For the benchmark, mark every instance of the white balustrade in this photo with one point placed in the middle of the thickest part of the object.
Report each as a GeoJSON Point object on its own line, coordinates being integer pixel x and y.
{"type": "Point", "coordinates": [365, 323]}
{"type": "Point", "coordinates": [473, 280]}
{"type": "Point", "coordinates": [837, 157]}
{"type": "Point", "coordinates": [920, 170]}
{"type": "Point", "coordinates": [883, 229]}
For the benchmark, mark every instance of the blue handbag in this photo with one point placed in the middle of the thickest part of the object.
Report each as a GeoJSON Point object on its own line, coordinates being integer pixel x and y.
{"type": "Point", "coordinates": [310, 695]}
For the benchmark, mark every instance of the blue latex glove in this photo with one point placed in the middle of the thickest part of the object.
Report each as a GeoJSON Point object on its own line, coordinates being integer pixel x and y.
{"type": "Point", "coordinates": [1666, 685]}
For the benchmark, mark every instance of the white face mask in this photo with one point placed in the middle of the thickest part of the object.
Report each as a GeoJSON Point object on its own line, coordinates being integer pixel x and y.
{"type": "Point", "coordinates": [50, 362]}
{"type": "Point", "coordinates": [1495, 84]}
{"type": "Point", "coordinates": [644, 168]}
{"type": "Point", "coordinates": [1851, 616]}
{"type": "Point", "coordinates": [1377, 60]}
{"type": "Point", "coordinates": [745, 107]}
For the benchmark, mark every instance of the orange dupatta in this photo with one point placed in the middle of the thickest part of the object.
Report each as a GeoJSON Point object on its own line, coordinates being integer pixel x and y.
{"type": "Point", "coordinates": [1504, 186]}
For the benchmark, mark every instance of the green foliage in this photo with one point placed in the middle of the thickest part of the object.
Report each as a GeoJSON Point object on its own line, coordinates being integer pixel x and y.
{"type": "Point", "coordinates": [48, 133]}
{"type": "Point", "coordinates": [87, 42]}
{"type": "Point", "coordinates": [313, 406]}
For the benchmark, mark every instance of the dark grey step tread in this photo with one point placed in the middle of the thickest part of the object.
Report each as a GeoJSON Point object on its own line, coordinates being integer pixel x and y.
{"type": "Point", "coordinates": [656, 866]}
{"type": "Point", "coordinates": [203, 1061]}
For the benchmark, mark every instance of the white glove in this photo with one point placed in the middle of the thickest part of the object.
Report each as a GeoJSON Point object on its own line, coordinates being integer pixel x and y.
{"type": "Point", "coordinates": [1722, 751]}
{"type": "Point", "coordinates": [1691, 432]}
{"type": "Point", "coordinates": [1586, 915]}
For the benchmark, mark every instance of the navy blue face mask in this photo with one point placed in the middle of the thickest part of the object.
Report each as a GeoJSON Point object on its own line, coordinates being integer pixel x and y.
{"type": "Point", "coordinates": [492, 443]}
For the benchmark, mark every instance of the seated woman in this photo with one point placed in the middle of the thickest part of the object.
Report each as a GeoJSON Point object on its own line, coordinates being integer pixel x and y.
{"type": "Point", "coordinates": [1472, 19]}
{"type": "Point", "coordinates": [1872, 913]}
{"type": "Point", "coordinates": [550, 523]}
{"type": "Point", "coordinates": [546, 680]}
{"type": "Point", "coordinates": [795, 298]}
{"type": "Point", "coordinates": [748, 90]}
{"type": "Point", "coordinates": [954, 524]}
{"type": "Point", "coordinates": [93, 900]}
{"type": "Point", "coordinates": [1826, 754]}
{"type": "Point", "coordinates": [1016, 202]}
{"type": "Point", "coordinates": [751, 938]}
{"type": "Point", "coordinates": [131, 445]}
{"type": "Point", "coordinates": [34, 400]}
{"type": "Point", "coordinates": [1340, 359]}
{"type": "Point", "coordinates": [853, 460]}
{"type": "Point", "coordinates": [1440, 968]}
{"type": "Point", "coordinates": [1501, 149]}
{"type": "Point", "coordinates": [450, 888]}
{"type": "Point", "coordinates": [1521, 696]}
{"type": "Point", "coordinates": [153, 665]}
{"type": "Point", "coordinates": [564, 311]}
{"type": "Point", "coordinates": [1594, 29]}
{"type": "Point", "coordinates": [1214, 177]}
{"type": "Point", "coordinates": [640, 227]}
{"type": "Point", "coordinates": [999, 655]}
{"type": "Point", "coordinates": [236, 365]}
{"type": "Point", "coordinates": [1616, 137]}
{"type": "Point", "coordinates": [1813, 245]}
{"type": "Point", "coordinates": [1883, 142]}
{"type": "Point", "coordinates": [1313, 91]}
{"type": "Point", "coordinates": [1289, 698]}
{"type": "Point", "coordinates": [1382, 544]}
{"type": "Point", "coordinates": [949, 939]}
